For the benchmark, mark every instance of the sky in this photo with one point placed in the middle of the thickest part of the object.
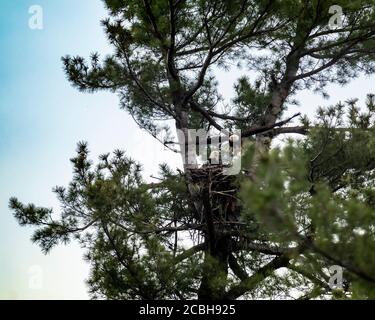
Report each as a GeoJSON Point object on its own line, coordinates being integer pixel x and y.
{"type": "Point", "coordinates": [41, 120]}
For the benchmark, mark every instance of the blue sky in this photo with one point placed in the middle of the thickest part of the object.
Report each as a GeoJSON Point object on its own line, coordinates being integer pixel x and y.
{"type": "Point", "coordinates": [42, 118]}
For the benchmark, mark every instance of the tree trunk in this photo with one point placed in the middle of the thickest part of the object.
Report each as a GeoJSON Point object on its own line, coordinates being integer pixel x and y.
{"type": "Point", "coordinates": [215, 270]}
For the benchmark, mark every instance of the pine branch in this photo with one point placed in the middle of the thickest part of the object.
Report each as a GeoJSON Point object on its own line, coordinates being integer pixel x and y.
{"type": "Point", "coordinates": [262, 129]}
{"type": "Point", "coordinates": [189, 252]}
{"type": "Point", "coordinates": [252, 281]}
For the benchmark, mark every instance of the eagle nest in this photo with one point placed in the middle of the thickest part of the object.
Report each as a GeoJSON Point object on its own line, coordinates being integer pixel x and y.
{"type": "Point", "coordinates": [217, 193]}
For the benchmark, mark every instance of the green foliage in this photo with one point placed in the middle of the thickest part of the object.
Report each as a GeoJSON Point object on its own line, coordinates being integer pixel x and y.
{"type": "Point", "coordinates": [250, 101]}
{"type": "Point", "coordinates": [320, 190]}
{"type": "Point", "coordinates": [115, 215]}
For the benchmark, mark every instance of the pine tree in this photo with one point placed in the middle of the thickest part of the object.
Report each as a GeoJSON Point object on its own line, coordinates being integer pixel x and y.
{"type": "Point", "coordinates": [291, 213]}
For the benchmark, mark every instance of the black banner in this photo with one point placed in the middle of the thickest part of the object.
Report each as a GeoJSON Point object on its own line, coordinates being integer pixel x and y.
{"type": "Point", "coordinates": [181, 309]}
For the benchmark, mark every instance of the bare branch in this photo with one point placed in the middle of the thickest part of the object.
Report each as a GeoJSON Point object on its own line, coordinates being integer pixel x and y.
{"type": "Point", "coordinates": [253, 131]}
{"type": "Point", "coordinates": [251, 282]}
